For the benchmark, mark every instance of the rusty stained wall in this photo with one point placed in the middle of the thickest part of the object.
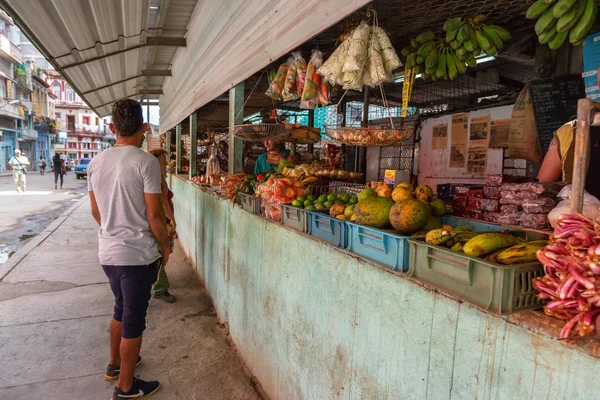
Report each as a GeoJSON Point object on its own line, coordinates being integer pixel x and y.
{"type": "Point", "coordinates": [313, 322]}
{"type": "Point", "coordinates": [434, 166]}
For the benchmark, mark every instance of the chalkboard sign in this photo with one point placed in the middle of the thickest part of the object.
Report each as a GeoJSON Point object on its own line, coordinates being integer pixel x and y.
{"type": "Point", "coordinates": [555, 104]}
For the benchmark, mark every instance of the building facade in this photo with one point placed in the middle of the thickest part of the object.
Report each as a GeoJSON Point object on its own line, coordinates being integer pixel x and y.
{"type": "Point", "coordinates": [86, 133]}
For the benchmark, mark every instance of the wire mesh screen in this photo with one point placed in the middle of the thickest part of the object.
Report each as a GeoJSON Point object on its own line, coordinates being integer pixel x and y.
{"type": "Point", "coordinates": [396, 157]}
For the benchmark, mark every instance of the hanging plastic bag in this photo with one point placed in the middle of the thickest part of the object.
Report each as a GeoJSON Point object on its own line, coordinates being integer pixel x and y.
{"type": "Point", "coordinates": [290, 90]}
{"type": "Point", "coordinates": [301, 71]}
{"type": "Point", "coordinates": [390, 58]}
{"type": "Point", "coordinates": [324, 93]}
{"type": "Point", "coordinates": [357, 53]}
{"type": "Point", "coordinates": [331, 70]}
{"type": "Point", "coordinates": [374, 73]}
{"type": "Point", "coordinates": [310, 94]}
{"type": "Point", "coordinates": [352, 80]}
{"type": "Point", "coordinates": [591, 206]}
{"type": "Point", "coordinates": [276, 86]}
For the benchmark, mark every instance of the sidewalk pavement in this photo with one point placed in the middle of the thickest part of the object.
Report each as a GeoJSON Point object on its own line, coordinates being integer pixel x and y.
{"type": "Point", "coordinates": [55, 309]}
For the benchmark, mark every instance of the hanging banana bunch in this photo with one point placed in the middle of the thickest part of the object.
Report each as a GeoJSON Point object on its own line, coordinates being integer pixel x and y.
{"type": "Point", "coordinates": [562, 19]}
{"type": "Point", "coordinates": [471, 36]}
{"type": "Point", "coordinates": [433, 57]}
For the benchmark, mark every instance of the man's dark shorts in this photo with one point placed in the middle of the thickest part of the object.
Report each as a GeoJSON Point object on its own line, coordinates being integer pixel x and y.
{"type": "Point", "coordinates": [131, 286]}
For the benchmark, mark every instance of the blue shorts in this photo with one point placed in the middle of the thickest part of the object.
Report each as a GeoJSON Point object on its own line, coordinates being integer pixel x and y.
{"type": "Point", "coordinates": [131, 286]}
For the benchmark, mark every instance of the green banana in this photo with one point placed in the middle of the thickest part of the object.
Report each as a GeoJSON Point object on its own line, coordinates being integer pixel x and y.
{"type": "Point", "coordinates": [425, 49]}
{"type": "Point", "coordinates": [470, 46]}
{"type": "Point", "coordinates": [545, 20]}
{"type": "Point", "coordinates": [438, 236]}
{"type": "Point", "coordinates": [453, 24]}
{"type": "Point", "coordinates": [431, 59]}
{"type": "Point", "coordinates": [461, 51]}
{"type": "Point", "coordinates": [566, 18]}
{"type": "Point", "coordinates": [471, 62]}
{"type": "Point", "coordinates": [564, 23]}
{"type": "Point", "coordinates": [482, 40]}
{"type": "Point", "coordinates": [491, 51]}
{"type": "Point", "coordinates": [455, 44]}
{"type": "Point", "coordinates": [521, 253]}
{"type": "Point", "coordinates": [451, 66]}
{"type": "Point", "coordinates": [558, 40]}
{"type": "Point", "coordinates": [441, 67]}
{"type": "Point", "coordinates": [492, 36]}
{"type": "Point", "coordinates": [420, 60]}
{"type": "Point", "coordinates": [463, 33]}
{"type": "Point", "coordinates": [425, 37]}
{"type": "Point", "coordinates": [578, 43]}
{"type": "Point", "coordinates": [407, 50]}
{"type": "Point", "coordinates": [487, 243]}
{"type": "Point", "coordinates": [458, 247]}
{"type": "Point", "coordinates": [547, 35]}
{"type": "Point", "coordinates": [501, 32]}
{"type": "Point", "coordinates": [562, 7]}
{"type": "Point", "coordinates": [410, 60]}
{"type": "Point", "coordinates": [550, 1]}
{"type": "Point", "coordinates": [536, 9]}
{"type": "Point", "coordinates": [586, 22]}
{"type": "Point", "coordinates": [414, 43]}
{"type": "Point", "coordinates": [461, 66]}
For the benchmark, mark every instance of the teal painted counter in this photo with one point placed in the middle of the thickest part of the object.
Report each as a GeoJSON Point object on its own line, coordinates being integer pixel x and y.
{"type": "Point", "coordinates": [314, 322]}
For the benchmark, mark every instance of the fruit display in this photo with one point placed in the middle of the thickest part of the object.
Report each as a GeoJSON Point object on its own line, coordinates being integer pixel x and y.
{"type": "Point", "coordinates": [370, 137]}
{"type": "Point", "coordinates": [339, 175]}
{"type": "Point", "coordinates": [409, 216]}
{"type": "Point", "coordinates": [446, 57]}
{"type": "Point", "coordinates": [302, 134]}
{"type": "Point", "coordinates": [497, 247]}
{"type": "Point", "coordinates": [374, 211]}
{"type": "Point", "coordinates": [571, 284]}
{"type": "Point", "coordinates": [336, 204]}
{"type": "Point", "coordinates": [562, 19]}
{"type": "Point", "coordinates": [280, 190]}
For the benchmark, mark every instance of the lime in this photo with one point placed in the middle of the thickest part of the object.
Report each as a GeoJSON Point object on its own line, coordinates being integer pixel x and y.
{"type": "Point", "coordinates": [340, 195]}
{"type": "Point", "coordinates": [311, 208]}
{"type": "Point", "coordinates": [311, 197]}
{"type": "Point", "coordinates": [346, 197]}
{"type": "Point", "coordinates": [298, 203]}
{"type": "Point", "coordinates": [353, 200]}
{"type": "Point", "coordinates": [322, 198]}
{"type": "Point", "coordinates": [331, 198]}
{"type": "Point", "coordinates": [308, 202]}
{"type": "Point", "coordinates": [301, 198]}
{"type": "Point", "coordinates": [328, 204]}
{"type": "Point", "coordinates": [339, 201]}
{"type": "Point", "coordinates": [319, 206]}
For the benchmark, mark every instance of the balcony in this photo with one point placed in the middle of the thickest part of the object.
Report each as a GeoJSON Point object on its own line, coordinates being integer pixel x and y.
{"type": "Point", "coordinates": [10, 51]}
{"type": "Point", "coordinates": [28, 135]}
{"type": "Point", "coordinates": [10, 111]}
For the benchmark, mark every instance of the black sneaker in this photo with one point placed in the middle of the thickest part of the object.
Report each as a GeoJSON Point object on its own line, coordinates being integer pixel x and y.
{"type": "Point", "coordinates": [139, 390]}
{"type": "Point", "coordinates": [165, 296]}
{"type": "Point", "coordinates": [112, 372]}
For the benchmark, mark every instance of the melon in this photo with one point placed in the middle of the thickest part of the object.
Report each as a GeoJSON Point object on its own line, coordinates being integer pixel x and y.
{"type": "Point", "coordinates": [438, 207]}
{"type": "Point", "coordinates": [409, 216]}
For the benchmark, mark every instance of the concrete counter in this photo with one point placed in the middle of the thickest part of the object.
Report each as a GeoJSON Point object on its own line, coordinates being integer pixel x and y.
{"type": "Point", "coordinates": [314, 322]}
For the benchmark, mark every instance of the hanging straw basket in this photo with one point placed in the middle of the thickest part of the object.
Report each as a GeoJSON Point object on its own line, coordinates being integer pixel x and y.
{"type": "Point", "coordinates": [261, 132]}
{"type": "Point", "coordinates": [370, 137]}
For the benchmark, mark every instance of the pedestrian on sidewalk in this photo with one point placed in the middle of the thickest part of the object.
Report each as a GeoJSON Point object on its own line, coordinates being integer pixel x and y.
{"type": "Point", "coordinates": [125, 194]}
{"type": "Point", "coordinates": [58, 166]}
{"type": "Point", "coordinates": [19, 163]}
{"type": "Point", "coordinates": [42, 164]}
{"type": "Point", "coordinates": [160, 290]}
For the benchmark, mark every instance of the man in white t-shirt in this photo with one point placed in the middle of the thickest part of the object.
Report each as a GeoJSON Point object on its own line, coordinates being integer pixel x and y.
{"type": "Point", "coordinates": [18, 164]}
{"type": "Point", "coordinates": [125, 194]}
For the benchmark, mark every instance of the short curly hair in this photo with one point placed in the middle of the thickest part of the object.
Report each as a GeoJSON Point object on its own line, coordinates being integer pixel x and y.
{"type": "Point", "coordinates": [127, 117]}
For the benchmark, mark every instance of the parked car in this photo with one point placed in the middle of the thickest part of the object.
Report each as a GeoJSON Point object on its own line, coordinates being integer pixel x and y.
{"type": "Point", "coordinates": [81, 168]}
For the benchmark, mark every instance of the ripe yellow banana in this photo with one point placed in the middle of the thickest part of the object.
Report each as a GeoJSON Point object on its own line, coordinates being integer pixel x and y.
{"type": "Point", "coordinates": [437, 236]}
{"type": "Point", "coordinates": [487, 243]}
{"type": "Point", "coordinates": [521, 253]}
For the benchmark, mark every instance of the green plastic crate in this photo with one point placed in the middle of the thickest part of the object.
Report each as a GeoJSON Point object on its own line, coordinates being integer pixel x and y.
{"type": "Point", "coordinates": [501, 289]}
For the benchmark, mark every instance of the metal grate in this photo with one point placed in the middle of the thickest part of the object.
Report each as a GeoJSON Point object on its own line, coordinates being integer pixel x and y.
{"type": "Point", "coordinates": [396, 157]}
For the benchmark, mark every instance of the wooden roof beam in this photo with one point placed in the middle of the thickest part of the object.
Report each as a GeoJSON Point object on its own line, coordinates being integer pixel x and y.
{"type": "Point", "coordinates": [156, 72]}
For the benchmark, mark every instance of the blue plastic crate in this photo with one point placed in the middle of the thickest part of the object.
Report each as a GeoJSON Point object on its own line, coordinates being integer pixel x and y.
{"type": "Point", "coordinates": [327, 228]}
{"type": "Point", "coordinates": [386, 247]}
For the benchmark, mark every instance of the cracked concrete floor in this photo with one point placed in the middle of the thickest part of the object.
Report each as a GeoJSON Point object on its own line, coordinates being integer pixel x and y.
{"type": "Point", "coordinates": [55, 307]}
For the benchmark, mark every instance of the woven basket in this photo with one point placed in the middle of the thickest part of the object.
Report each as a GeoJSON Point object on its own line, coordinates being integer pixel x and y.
{"type": "Point", "coordinates": [261, 132]}
{"type": "Point", "coordinates": [370, 137]}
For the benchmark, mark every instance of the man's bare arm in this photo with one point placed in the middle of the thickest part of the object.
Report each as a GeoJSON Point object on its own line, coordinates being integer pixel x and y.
{"type": "Point", "coordinates": [551, 169]}
{"type": "Point", "coordinates": [158, 223]}
{"type": "Point", "coordinates": [95, 210]}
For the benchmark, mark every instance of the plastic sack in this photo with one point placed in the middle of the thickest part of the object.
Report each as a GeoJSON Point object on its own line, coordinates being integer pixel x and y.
{"type": "Point", "coordinates": [492, 192]}
{"type": "Point", "coordinates": [539, 187]}
{"type": "Point", "coordinates": [324, 93]}
{"type": "Point", "coordinates": [391, 61]}
{"type": "Point", "coordinates": [540, 201]}
{"type": "Point", "coordinates": [511, 200]}
{"type": "Point", "coordinates": [508, 194]}
{"type": "Point", "coordinates": [536, 209]}
{"type": "Point", "coordinates": [591, 206]}
{"type": "Point", "coordinates": [290, 90]}
{"type": "Point", "coordinates": [310, 94]}
{"type": "Point", "coordinates": [331, 70]}
{"type": "Point", "coordinates": [509, 208]}
{"type": "Point", "coordinates": [277, 83]}
{"type": "Point", "coordinates": [523, 195]}
{"type": "Point", "coordinates": [490, 205]}
{"type": "Point", "coordinates": [375, 72]}
{"type": "Point", "coordinates": [534, 221]}
{"type": "Point", "coordinates": [491, 216]}
{"type": "Point", "coordinates": [357, 53]}
{"type": "Point", "coordinates": [301, 74]}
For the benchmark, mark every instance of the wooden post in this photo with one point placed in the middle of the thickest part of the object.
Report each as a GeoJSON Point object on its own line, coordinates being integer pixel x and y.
{"type": "Point", "coordinates": [236, 117]}
{"type": "Point", "coordinates": [582, 153]}
{"type": "Point", "coordinates": [193, 144]}
{"type": "Point", "coordinates": [361, 152]}
{"type": "Point", "coordinates": [168, 145]}
{"type": "Point", "coordinates": [178, 148]}
{"type": "Point", "coordinates": [311, 123]}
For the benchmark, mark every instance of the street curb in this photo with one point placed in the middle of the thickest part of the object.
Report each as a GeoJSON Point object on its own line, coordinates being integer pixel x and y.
{"type": "Point", "coordinates": [24, 251]}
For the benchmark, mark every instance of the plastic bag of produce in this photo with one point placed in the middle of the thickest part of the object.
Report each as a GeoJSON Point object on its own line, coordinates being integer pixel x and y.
{"type": "Point", "coordinates": [357, 53]}
{"type": "Point", "coordinates": [301, 74]}
{"type": "Point", "coordinates": [323, 93]}
{"type": "Point", "coordinates": [515, 187]}
{"type": "Point", "coordinates": [352, 80]}
{"type": "Point", "coordinates": [331, 70]}
{"type": "Point", "coordinates": [310, 94]}
{"type": "Point", "coordinates": [375, 72]}
{"type": "Point", "coordinates": [492, 192]}
{"type": "Point", "coordinates": [509, 208]}
{"type": "Point", "coordinates": [490, 205]}
{"type": "Point", "coordinates": [540, 188]}
{"type": "Point", "coordinates": [511, 200]}
{"type": "Point", "coordinates": [290, 90]}
{"type": "Point", "coordinates": [536, 209]}
{"type": "Point", "coordinates": [391, 61]}
{"type": "Point", "coordinates": [591, 206]}
{"type": "Point", "coordinates": [527, 195]}
{"type": "Point", "coordinates": [534, 221]}
{"type": "Point", "coordinates": [540, 201]}
{"type": "Point", "coordinates": [277, 83]}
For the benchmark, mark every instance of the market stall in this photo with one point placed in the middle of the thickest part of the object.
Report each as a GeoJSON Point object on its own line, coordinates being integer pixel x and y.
{"type": "Point", "coordinates": [396, 236]}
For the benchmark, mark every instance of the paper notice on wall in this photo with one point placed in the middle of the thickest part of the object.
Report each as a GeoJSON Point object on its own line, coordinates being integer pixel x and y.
{"type": "Point", "coordinates": [477, 160]}
{"type": "Point", "coordinates": [458, 141]}
{"type": "Point", "coordinates": [439, 140]}
{"type": "Point", "coordinates": [480, 129]}
{"type": "Point", "coordinates": [499, 133]}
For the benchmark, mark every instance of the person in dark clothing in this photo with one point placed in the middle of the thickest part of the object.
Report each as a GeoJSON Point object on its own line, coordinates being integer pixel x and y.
{"type": "Point", "coordinates": [58, 166]}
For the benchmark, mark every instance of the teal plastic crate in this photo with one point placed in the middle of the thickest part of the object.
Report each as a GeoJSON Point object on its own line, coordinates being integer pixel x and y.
{"type": "Point", "coordinates": [501, 289]}
{"type": "Point", "coordinates": [250, 203]}
{"type": "Point", "coordinates": [327, 228]}
{"type": "Point", "coordinates": [294, 218]}
{"type": "Point", "coordinates": [385, 247]}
